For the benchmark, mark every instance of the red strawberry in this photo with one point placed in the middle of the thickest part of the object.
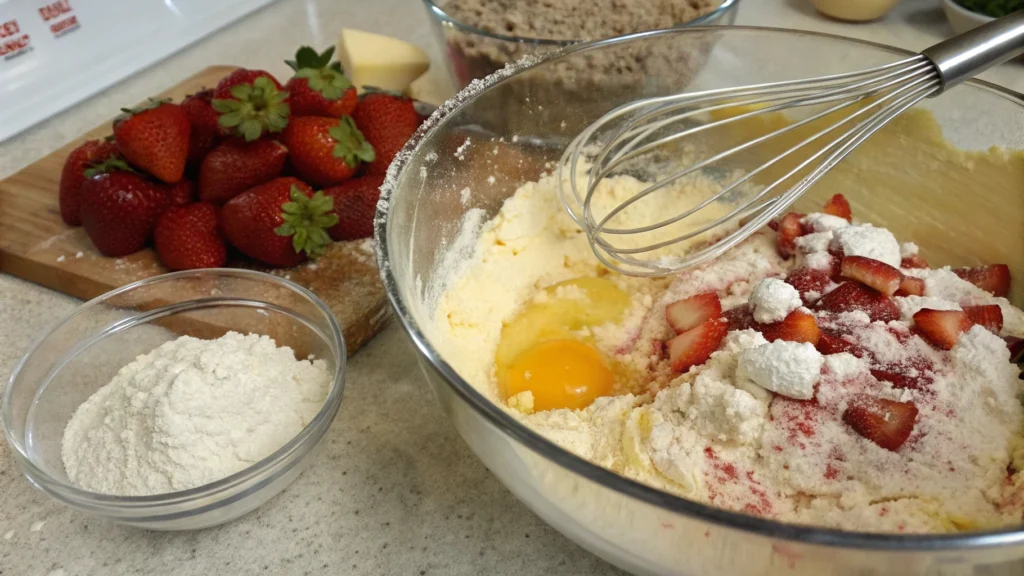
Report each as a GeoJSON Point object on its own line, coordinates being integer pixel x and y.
{"type": "Point", "coordinates": [319, 88]}
{"type": "Point", "coordinates": [181, 192]}
{"type": "Point", "coordinates": [205, 128]}
{"type": "Point", "coordinates": [885, 422]}
{"type": "Point", "coordinates": [236, 166]}
{"type": "Point", "coordinates": [250, 103]}
{"type": "Point", "coordinates": [807, 281]}
{"type": "Point", "coordinates": [741, 317]}
{"type": "Point", "coordinates": [942, 327]}
{"type": "Point", "coordinates": [798, 326]}
{"type": "Point", "coordinates": [838, 206]}
{"type": "Point", "coordinates": [355, 204]}
{"type": "Point", "coordinates": [872, 273]}
{"type": "Point", "coordinates": [120, 208]}
{"type": "Point", "coordinates": [832, 342]}
{"type": "Point", "coordinates": [694, 347]}
{"type": "Point", "coordinates": [1016, 347]}
{"type": "Point", "coordinates": [994, 278]}
{"type": "Point", "coordinates": [325, 151]}
{"type": "Point", "coordinates": [155, 138]}
{"type": "Point", "coordinates": [72, 176]}
{"type": "Point", "coordinates": [279, 222]}
{"type": "Point", "coordinates": [850, 296]}
{"type": "Point", "coordinates": [387, 121]}
{"type": "Point", "coordinates": [914, 262]}
{"type": "Point", "coordinates": [187, 237]}
{"type": "Point", "coordinates": [911, 286]}
{"type": "Point", "coordinates": [687, 313]}
{"type": "Point", "coordinates": [989, 315]}
{"type": "Point", "coordinates": [789, 230]}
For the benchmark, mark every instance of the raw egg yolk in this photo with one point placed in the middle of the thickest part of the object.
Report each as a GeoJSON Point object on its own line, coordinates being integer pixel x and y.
{"type": "Point", "coordinates": [560, 374]}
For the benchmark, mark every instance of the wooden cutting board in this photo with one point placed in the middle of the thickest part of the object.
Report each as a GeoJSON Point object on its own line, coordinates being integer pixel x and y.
{"type": "Point", "coordinates": [36, 245]}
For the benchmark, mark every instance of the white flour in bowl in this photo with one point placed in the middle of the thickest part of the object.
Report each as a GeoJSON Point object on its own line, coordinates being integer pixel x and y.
{"type": "Point", "coordinates": [191, 412]}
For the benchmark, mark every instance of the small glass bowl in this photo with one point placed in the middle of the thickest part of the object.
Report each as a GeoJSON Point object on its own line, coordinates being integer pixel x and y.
{"type": "Point", "coordinates": [472, 53]}
{"type": "Point", "coordinates": [82, 352]}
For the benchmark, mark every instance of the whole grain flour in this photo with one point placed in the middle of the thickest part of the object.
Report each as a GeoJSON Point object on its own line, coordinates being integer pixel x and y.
{"type": "Point", "coordinates": [191, 412]}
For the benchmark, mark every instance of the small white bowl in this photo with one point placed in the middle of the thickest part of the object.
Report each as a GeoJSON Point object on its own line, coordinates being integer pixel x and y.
{"type": "Point", "coordinates": [961, 19]}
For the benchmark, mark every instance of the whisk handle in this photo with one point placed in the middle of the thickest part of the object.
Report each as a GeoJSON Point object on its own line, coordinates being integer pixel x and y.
{"type": "Point", "coordinates": [971, 53]}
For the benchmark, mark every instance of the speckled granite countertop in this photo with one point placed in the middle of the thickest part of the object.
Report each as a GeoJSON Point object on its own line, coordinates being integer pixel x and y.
{"type": "Point", "coordinates": [395, 490]}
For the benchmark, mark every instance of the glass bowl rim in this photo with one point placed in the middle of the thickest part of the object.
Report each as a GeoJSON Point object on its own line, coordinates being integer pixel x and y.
{"type": "Point", "coordinates": [218, 488]}
{"type": "Point", "coordinates": [520, 433]}
{"type": "Point", "coordinates": [446, 18]}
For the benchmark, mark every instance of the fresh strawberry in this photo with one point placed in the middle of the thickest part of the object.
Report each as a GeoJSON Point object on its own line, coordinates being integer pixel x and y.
{"type": "Point", "coordinates": [798, 326]}
{"type": "Point", "coordinates": [251, 104]}
{"type": "Point", "coordinates": [913, 372]}
{"type": "Point", "coordinates": [872, 273]}
{"type": "Point", "coordinates": [851, 296]}
{"type": "Point", "coordinates": [155, 138]}
{"type": "Point", "coordinates": [885, 422]}
{"type": "Point", "coordinates": [810, 283]}
{"type": "Point", "coordinates": [911, 286]}
{"type": "Point", "coordinates": [280, 222]}
{"type": "Point", "coordinates": [387, 121]}
{"type": "Point", "coordinates": [72, 176]}
{"type": "Point", "coordinates": [740, 317]}
{"type": "Point", "coordinates": [1016, 347]}
{"type": "Point", "coordinates": [325, 151]}
{"type": "Point", "coordinates": [789, 230]}
{"type": "Point", "coordinates": [120, 208]}
{"type": "Point", "coordinates": [994, 278]}
{"type": "Point", "coordinates": [187, 237]}
{"type": "Point", "coordinates": [942, 327]}
{"type": "Point", "coordinates": [914, 261]}
{"type": "Point", "coordinates": [181, 192]}
{"type": "Point", "coordinates": [355, 204]}
{"type": "Point", "coordinates": [236, 166]}
{"type": "Point", "coordinates": [694, 347]}
{"type": "Point", "coordinates": [687, 313]}
{"type": "Point", "coordinates": [838, 206]}
{"type": "Point", "coordinates": [319, 87]}
{"type": "Point", "coordinates": [205, 128]}
{"type": "Point", "coordinates": [832, 342]}
{"type": "Point", "coordinates": [988, 315]}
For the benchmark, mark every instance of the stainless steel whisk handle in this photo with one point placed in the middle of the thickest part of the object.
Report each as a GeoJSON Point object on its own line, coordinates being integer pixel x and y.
{"type": "Point", "coordinates": [967, 55]}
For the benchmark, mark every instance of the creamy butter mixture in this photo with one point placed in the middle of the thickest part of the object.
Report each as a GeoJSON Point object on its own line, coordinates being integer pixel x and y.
{"type": "Point", "coordinates": [716, 434]}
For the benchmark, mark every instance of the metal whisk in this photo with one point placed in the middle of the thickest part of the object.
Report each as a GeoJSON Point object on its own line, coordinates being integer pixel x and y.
{"type": "Point", "coordinates": [863, 102]}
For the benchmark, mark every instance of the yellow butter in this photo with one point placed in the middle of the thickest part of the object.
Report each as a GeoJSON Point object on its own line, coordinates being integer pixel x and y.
{"type": "Point", "coordinates": [380, 61]}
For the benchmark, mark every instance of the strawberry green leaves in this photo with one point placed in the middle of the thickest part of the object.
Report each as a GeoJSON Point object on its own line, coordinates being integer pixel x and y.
{"type": "Point", "coordinates": [253, 108]}
{"type": "Point", "coordinates": [351, 146]}
{"type": "Point", "coordinates": [322, 76]}
{"type": "Point", "coordinates": [306, 220]}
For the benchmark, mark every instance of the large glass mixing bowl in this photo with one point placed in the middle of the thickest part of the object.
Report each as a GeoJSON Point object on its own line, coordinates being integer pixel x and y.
{"type": "Point", "coordinates": [500, 133]}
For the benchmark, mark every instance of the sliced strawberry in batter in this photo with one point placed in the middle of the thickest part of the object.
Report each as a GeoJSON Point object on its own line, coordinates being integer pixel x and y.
{"type": "Point", "coordinates": [838, 206]}
{"type": "Point", "coordinates": [914, 372]}
{"type": "Point", "coordinates": [914, 261]}
{"type": "Point", "coordinates": [872, 273]}
{"type": "Point", "coordinates": [989, 315]}
{"type": "Point", "coordinates": [687, 313]}
{"type": "Point", "coordinates": [789, 230]}
{"type": "Point", "coordinates": [694, 347]}
{"type": "Point", "coordinates": [741, 317]}
{"type": "Point", "coordinates": [887, 423]}
{"type": "Point", "coordinates": [808, 281]}
{"type": "Point", "coordinates": [994, 278]}
{"type": "Point", "coordinates": [942, 327]}
{"type": "Point", "coordinates": [798, 326]}
{"type": "Point", "coordinates": [852, 296]}
{"type": "Point", "coordinates": [911, 286]}
{"type": "Point", "coordinates": [832, 342]}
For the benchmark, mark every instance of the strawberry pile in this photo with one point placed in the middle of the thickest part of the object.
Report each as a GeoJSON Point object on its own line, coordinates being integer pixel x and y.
{"type": "Point", "coordinates": [274, 172]}
{"type": "Point", "coordinates": [852, 284]}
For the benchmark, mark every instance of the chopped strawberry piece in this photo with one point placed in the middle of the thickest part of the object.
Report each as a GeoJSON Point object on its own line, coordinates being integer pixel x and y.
{"type": "Point", "coordinates": [994, 278]}
{"type": "Point", "coordinates": [1016, 346]}
{"type": "Point", "coordinates": [687, 313]}
{"type": "Point", "coordinates": [911, 286]}
{"type": "Point", "coordinates": [832, 342]}
{"type": "Point", "coordinates": [740, 317]}
{"type": "Point", "coordinates": [989, 315]}
{"type": "Point", "coordinates": [914, 373]}
{"type": "Point", "coordinates": [942, 327]}
{"type": "Point", "coordinates": [838, 206]}
{"type": "Point", "coordinates": [808, 281]}
{"type": "Point", "coordinates": [887, 423]}
{"type": "Point", "coordinates": [789, 230]}
{"type": "Point", "coordinates": [851, 296]}
{"type": "Point", "coordinates": [837, 262]}
{"type": "Point", "coordinates": [914, 261]}
{"type": "Point", "coordinates": [873, 273]}
{"type": "Point", "coordinates": [694, 347]}
{"type": "Point", "coordinates": [798, 326]}
{"type": "Point", "coordinates": [774, 225]}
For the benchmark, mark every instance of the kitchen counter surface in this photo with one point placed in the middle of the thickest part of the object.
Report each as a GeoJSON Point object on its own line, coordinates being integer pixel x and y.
{"type": "Point", "coordinates": [395, 490]}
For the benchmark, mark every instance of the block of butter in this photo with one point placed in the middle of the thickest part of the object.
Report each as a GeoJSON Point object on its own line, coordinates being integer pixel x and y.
{"type": "Point", "coordinates": [380, 61]}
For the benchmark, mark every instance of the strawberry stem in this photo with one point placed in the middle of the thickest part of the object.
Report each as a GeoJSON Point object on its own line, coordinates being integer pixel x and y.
{"type": "Point", "coordinates": [351, 145]}
{"type": "Point", "coordinates": [113, 164]}
{"type": "Point", "coordinates": [321, 75]}
{"type": "Point", "coordinates": [253, 109]}
{"type": "Point", "coordinates": [306, 220]}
